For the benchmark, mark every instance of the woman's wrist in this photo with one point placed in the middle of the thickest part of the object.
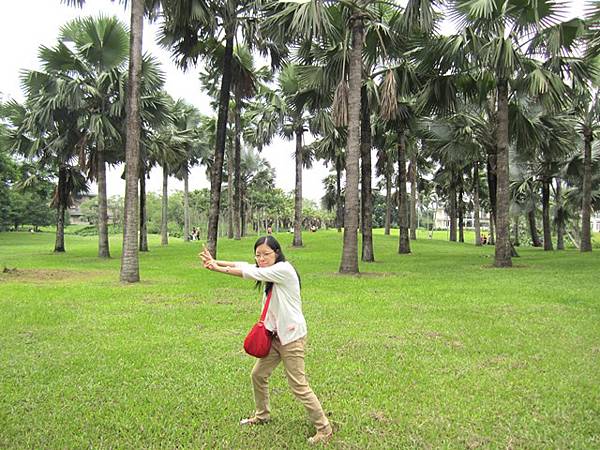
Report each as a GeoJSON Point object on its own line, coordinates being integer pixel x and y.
{"type": "Point", "coordinates": [221, 269]}
{"type": "Point", "coordinates": [225, 263]}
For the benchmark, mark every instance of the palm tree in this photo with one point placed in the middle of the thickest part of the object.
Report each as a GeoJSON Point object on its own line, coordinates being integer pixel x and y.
{"type": "Point", "coordinates": [196, 28]}
{"type": "Point", "coordinates": [130, 272]}
{"type": "Point", "coordinates": [349, 262]}
{"type": "Point", "coordinates": [298, 21]}
{"type": "Point", "coordinates": [574, 37]}
{"type": "Point", "coordinates": [155, 114]}
{"type": "Point", "coordinates": [167, 147]}
{"type": "Point", "coordinates": [285, 111]}
{"type": "Point", "coordinates": [257, 177]}
{"type": "Point", "coordinates": [247, 82]}
{"type": "Point", "coordinates": [187, 120]}
{"type": "Point", "coordinates": [491, 37]}
{"type": "Point", "coordinates": [94, 64]}
{"type": "Point", "coordinates": [330, 149]}
{"type": "Point", "coordinates": [455, 144]}
{"type": "Point", "coordinates": [385, 168]}
{"type": "Point", "coordinates": [543, 140]}
{"type": "Point", "coordinates": [48, 131]}
{"type": "Point", "coordinates": [293, 101]}
{"type": "Point", "coordinates": [587, 110]}
{"type": "Point", "coordinates": [366, 195]}
{"type": "Point", "coordinates": [573, 174]}
{"type": "Point", "coordinates": [412, 179]}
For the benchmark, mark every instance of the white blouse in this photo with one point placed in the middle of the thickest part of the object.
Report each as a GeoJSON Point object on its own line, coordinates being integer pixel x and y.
{"type": "Point", "coordinates": [284, 315]}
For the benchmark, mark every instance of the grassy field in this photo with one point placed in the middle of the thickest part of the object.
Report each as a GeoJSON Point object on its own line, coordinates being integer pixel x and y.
{"type": "Point", "coordinates": [430, 350]}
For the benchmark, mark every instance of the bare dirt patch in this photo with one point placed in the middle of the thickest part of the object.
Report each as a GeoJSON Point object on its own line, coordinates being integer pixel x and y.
{"type": "Point", "coordinates": [364, 274]}
{"type": "Point", "coordinates": [46, 275]}
{"type": "Point", "coordinates": [514, 266]}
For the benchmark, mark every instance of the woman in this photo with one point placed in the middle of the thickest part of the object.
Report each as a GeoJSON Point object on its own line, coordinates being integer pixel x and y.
{"type": "Point", "coordinates": [286, 321]}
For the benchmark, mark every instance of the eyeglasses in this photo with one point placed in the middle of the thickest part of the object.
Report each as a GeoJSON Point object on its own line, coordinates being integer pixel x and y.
{"type": "Point", "coordinates": [263, 255]}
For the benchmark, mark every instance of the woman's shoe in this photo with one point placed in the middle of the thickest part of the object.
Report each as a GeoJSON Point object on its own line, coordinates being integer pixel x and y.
{"type": "Point", "coordinates": [322, 437]}
{"type": "Point", "coordinates": [253, 421]}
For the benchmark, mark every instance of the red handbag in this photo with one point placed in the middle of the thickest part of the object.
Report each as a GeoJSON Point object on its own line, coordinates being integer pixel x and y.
{"type": "Point", "coordinates": [258, 340]}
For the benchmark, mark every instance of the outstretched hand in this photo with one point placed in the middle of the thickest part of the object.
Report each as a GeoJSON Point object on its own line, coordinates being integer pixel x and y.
{"type": "Point", "coordinates": [207, 259]}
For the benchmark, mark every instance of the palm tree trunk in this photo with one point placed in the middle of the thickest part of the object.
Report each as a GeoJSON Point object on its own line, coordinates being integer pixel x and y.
{"type": "Point", "coordinates": [349, 263]}
{"type": "Point", "coordinates": [62, 200]}
{"type": "Point", "coordinates": [230, 190]}
{"type": "Point", "coordinates": [453, 209]}
{"type": "Point", "coordinates": [217, 169]}
{"type": "Point", "coordinates": [413, 195]}
{"type": "Point", "coordinates": [143, 212]}
{"type": "Point", "coordinates": [243, 213]}
{"type": "Point", "coordinates": [476, 213]}
{"type": "Point", "coordinates": [130, 271]}
{"type": "Point", "coordinates": [560, 223]}
{"type": "Point", "coordinates": [367, 253]}
{"type": "Point", "coordinates": [492, 184]}
{"type": "Point", "coordinates": [297, 242]}
{"type": "Point", "coordinates": [546, 214]}
{"type": "Point", "coordinates": [461, 213]}
{"type": "Point", "coordinates": [339, 205]}
{"type": "Point", "coordinates": [59, 243]}
{"type": "Point", "coordinates": [404, 241]}
{"type": "Point", "coordinates": [516, 240]}
{"type": "Point", "coordinates": [503, 247]}
{"type": "Point", "coordinates": [586, 203]}
{"type": "Point", "coordinates": [535, 239]}
{"type": "Point", "coordinates": [237, 156]}
{"type": "Point", "coordinates": [186, 206]}
{"type": "Point", "coordinates": [103, 249]}
{"type": "Point", "coordinates": [164, 220]}
{"type": "Point", "coordinates": [388, 203]}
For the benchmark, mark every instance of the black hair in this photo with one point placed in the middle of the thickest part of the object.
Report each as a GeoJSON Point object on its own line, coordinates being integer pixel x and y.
{"type": "Point", "coordinates": [274, 245]}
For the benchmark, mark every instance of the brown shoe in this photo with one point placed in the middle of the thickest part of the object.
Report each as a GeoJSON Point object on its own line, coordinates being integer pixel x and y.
{"type": "Point", "coordinates": [322, 437]}
{"type": "Point", "coordinates": [253, 421]}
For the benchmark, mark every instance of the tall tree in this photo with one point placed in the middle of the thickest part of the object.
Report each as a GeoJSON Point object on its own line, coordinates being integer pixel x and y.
{"type": "Point", "coordinates": [94, 65]}
{"type": "Point", "coordinates": [349, 262]}
{"type": "Point", "coordinates": [187, 120]}
{"type": "Point", "coordinates": [130, 269]}
{"type": "Point", "coordinates": [129, 258]}
{"type": "Point", "coordinates": [491, 37]}
{"type": "Point", "coordinates": [202, 29]}
{"type": "Point", "coordinates": [48, 131]}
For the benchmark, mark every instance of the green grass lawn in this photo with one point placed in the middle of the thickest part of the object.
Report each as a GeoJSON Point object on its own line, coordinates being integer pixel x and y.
{"type": "Point", "coordinates": [430, 350]}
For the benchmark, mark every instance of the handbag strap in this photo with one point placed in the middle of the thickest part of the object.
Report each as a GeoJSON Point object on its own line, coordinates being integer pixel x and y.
{"type": "Point", "coordinates": [264, 311]}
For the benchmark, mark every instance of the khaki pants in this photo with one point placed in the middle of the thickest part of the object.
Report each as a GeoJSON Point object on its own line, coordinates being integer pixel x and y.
{"type": "Point", "coordinates": [292, 355]}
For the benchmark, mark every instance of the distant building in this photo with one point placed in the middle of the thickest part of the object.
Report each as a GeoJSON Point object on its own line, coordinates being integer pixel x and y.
{"type": "Point", "coordinates": [596, 222]}
{"type": "Point", "coordinates": [75, 214]}
{"type": "Point", "coordinates": [442, 220]}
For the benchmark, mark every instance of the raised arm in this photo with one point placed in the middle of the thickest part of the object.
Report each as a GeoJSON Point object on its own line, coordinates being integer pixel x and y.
{"type": "Point", "coordinates": [227, 267]}
{"type": "Point", "coordinates": [277, 273]}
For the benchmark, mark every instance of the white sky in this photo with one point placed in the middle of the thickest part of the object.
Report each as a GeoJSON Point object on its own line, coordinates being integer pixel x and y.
{"type": "Point", "coordinates": [27, 24]}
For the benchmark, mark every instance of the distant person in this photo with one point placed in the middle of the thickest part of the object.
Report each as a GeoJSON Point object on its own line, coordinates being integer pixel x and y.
{"type": "Point", "coordinates": [313, 228]}
{"type": "Point", "coordinates": [269, 230]}
{"type": "Point", "coordinates": [483, 239]}
{"type": "Point", "coordinates": [286, 322]}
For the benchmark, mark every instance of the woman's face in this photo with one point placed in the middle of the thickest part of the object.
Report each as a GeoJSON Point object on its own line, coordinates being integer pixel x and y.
{"type": "Point", "coordinates": [265, 255]}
